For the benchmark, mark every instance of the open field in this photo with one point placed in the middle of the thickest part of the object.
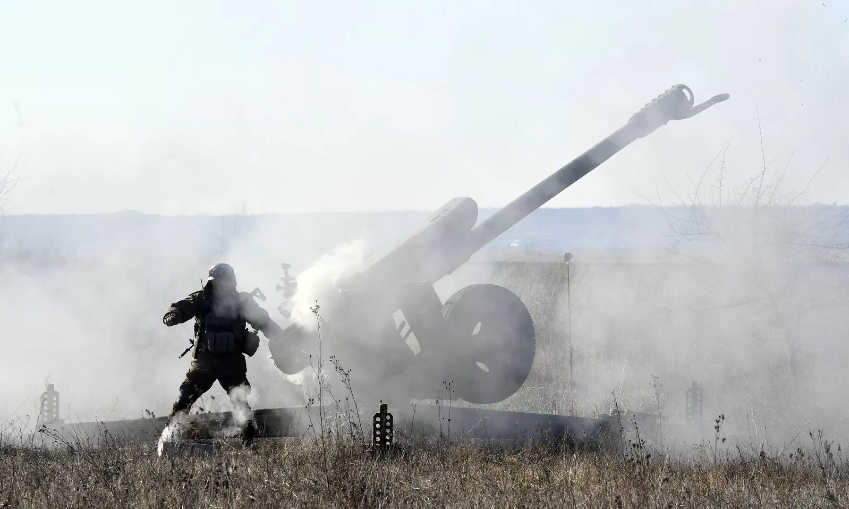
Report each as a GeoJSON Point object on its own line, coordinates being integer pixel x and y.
{"type": "Point", "coordinates": [440, 474]}
{"type": "Point", "coordinates": [569, 284]}
{"type": "Point", "coordinates": [641, 331]}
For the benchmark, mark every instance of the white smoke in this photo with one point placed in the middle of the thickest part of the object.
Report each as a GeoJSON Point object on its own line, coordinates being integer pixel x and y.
{"type": "Point", "coordinates": [317, 283]}
{"type": "Point", "coordinates": [242, 412]}
{"type": "Point", "coordinates": [179, 425]}
{"type": "Point", "coordinates": [173, 432]}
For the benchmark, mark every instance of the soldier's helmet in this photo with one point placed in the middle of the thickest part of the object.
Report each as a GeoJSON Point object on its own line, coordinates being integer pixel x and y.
{"type": "Point", "coordinates": [222, 273]}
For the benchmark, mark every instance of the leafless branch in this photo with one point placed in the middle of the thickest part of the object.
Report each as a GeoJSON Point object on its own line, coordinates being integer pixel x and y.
{"type": "Point", "coordinates": [8, 182]}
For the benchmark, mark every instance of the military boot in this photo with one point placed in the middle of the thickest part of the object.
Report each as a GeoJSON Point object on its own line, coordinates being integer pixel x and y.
{"type": "Point", "coordinates": [250, 432]}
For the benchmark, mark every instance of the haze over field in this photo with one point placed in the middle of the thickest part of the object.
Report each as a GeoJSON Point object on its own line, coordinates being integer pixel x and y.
{"type": "Point", "coordinates": [98, 286]}
{"type": "Point", "coordinates": [156, 140]}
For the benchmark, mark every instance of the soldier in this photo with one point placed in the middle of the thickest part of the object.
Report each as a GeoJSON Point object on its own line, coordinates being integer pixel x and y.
{"type": "Point", "coordinates": [221, 340]}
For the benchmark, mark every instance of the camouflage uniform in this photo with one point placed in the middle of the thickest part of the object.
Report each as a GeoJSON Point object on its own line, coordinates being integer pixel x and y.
{"type": "Point", "coordinates": [229, 368]}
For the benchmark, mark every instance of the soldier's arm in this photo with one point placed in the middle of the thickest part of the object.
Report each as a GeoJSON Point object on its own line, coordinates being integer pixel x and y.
{"type": "Point", "coordinates": [183, 310]}
{"type": "Point", "coordinates": [289, 357]}
{"type": "Point", "coordinates": [258, 317]}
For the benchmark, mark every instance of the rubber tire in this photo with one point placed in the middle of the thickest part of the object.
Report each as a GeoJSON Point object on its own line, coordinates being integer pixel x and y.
{"type": "Point", "coordinates": [507, 336]}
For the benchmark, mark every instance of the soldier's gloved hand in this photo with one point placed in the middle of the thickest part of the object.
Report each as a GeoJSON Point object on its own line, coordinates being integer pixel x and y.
{"type": "Point", "coordinates": [170, 317]}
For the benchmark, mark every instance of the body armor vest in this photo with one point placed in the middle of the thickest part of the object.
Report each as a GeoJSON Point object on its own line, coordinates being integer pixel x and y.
{"type": "Point", "coordinates": [219, 334]}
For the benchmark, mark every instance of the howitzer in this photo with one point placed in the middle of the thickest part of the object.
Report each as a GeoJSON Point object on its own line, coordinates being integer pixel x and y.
{"type": "Point", "coordinates": [482, 338]}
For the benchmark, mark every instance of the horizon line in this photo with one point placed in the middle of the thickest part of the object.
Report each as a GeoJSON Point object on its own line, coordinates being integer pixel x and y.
{"type": "Point", "coordinates": [352, 212]}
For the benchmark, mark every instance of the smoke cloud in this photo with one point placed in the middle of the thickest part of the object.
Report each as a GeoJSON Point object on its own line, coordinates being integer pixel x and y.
{"type": "Point", "coordinates": [319, 280]}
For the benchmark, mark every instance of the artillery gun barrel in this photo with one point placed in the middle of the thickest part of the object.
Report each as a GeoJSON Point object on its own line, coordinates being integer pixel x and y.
{"type": "Point", "coordinates": [674, 104]}
{"type": "Point", "coordinates": [402, 278]}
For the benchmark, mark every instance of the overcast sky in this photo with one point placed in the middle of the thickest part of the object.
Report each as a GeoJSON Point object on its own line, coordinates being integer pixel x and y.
{"type": "Point", "coordinates": [195, 107]}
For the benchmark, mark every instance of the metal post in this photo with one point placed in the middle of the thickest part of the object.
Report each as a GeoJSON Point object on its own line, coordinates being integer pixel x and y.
{"type": "Point", "coordinates": [382, 431]}
{"type": "Point", "coordinates": [49, 412]}
{"type": "Point", "coordinates": [567, 257]}
{"type": "Point", "coordinates": [695, 403]}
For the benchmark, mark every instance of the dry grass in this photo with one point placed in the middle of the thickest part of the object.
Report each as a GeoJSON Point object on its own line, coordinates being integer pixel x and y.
{"type": "Point", "coordinates": [295, 473]}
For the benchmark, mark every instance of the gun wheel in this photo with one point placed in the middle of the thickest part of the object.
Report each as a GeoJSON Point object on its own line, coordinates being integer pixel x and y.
{"type": "Point", "coordinates": [493, 342]}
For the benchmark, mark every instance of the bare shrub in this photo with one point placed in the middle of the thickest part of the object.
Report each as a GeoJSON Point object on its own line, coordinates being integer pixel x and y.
{"type": "Point", "coordinates": [8, 180]}
{"type": "Point", "coordinates": [769, 240]}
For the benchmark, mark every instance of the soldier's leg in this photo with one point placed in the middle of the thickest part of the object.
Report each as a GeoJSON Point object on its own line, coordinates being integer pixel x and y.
{"type": "Point", "coordinates": [194, 385]}
{"type": "Point", "coordinates": [238, 388]}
